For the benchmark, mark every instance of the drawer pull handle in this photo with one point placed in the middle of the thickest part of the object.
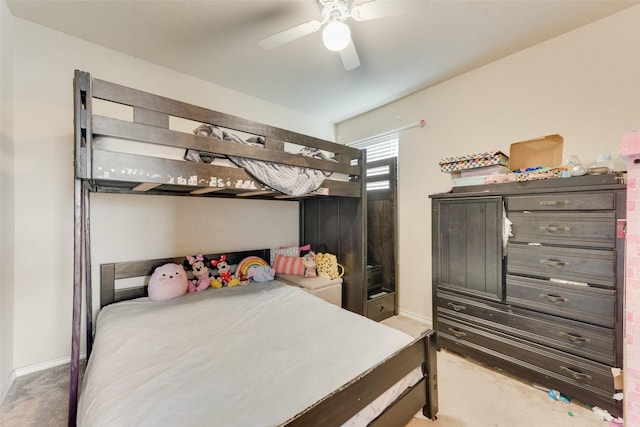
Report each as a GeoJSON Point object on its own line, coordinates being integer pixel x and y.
{"type": "Point", "coordinates": [575, 374]}
{"type": "Point", "coordinates": [555, 202]}
{"type": "Point", "coordinates": [554, 229]}
{"type": "Point", "coordinates": [554, 263]}
{"type": "Point", "coordinates": [576, 339]}
{"type": "Point", "coordinates": [554, 298]}
{"type": "Point", "coordinates": [456, 307]}
{"type": "Point", "coordinates": [381, 308]}
{"type": "Point", "coordinates": [456, 333]}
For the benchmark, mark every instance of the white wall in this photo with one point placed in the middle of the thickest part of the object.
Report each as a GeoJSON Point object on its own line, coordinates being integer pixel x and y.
{"type": "Point", "coordinates": [124, 227]}
{"type": "Point", "coordinates": [583, 85]}
{"type": "Point", "coordinates": [6, 201]}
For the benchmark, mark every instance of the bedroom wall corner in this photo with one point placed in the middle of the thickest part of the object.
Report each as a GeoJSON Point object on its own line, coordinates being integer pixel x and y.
{"type": "Point", "coordinates": [44, 61]}
{"type": "Point", "coordinates": [7, 204]}
{"type": "Point", "coordinates": [582, 84]}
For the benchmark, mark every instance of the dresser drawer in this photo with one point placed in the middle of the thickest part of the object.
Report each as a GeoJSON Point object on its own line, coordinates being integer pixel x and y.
{"type": "Point", "coordinates": [592, 266]}
{"type": "Point", "coordinates": [574, 370]}
{"type": "Point", "coordinates": [589, 341]}
{"type": "Point", "coordinates": [381, 308]}
{"type": "Point", "coordinates": [592, 229]}
{"type": "Point", "coordinates": [583, 303]}
{"type": "Point", "coordinates": [562, 202]}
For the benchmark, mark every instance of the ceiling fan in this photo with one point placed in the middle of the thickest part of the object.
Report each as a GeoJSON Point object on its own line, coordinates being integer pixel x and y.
{"type": "Point", "coordinates": [336, 34]}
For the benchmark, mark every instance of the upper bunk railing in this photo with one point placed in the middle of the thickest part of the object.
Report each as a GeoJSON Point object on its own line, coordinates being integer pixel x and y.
{"type": "Point", "coordinates": [149, 123]}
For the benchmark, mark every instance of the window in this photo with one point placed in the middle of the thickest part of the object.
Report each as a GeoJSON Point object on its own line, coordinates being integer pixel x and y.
{"type": "Point", "coordinates": [378, 148]}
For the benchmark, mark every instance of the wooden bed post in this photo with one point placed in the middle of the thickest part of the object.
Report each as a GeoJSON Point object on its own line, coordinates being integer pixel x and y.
{"type": "Point", "coordinates": [77, 302]}
{"type": "Point", "coordinates": [86, 231]}
{"type": "Point", "coordinates": [430, 371]}
{"type": "Point", "coordinates": [82, 161]}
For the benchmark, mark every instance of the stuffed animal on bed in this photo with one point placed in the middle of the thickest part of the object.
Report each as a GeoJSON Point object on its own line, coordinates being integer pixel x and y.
{"type": "Point", "coordinates": [167, 281]}
{"type": "Point", "coordinates": [226, 278]}
{"type": "Point", "coordinates": [261, 273]}
{"type": "Point", "coordinates": [200, 270]}
{"type": "Point", "coordinates": [309, 262]}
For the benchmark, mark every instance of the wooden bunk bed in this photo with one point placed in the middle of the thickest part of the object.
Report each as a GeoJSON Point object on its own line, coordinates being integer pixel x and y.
{"type": "Point", "coordinates": [333, 215]}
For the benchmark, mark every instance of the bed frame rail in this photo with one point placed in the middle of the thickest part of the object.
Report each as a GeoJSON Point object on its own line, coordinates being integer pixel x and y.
{"type": "Point", "coordinates": [339, 407]}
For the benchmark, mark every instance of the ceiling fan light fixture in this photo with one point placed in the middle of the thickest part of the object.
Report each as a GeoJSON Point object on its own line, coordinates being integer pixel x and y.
{"type": "Point", "coordinates": [336, 35]}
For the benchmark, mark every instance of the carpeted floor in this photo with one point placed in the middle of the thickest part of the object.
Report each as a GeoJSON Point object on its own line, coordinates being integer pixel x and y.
{"type": "Point", "coordinates": [470, 395]}
{"type": "Point", "coordinates": [38, 399]}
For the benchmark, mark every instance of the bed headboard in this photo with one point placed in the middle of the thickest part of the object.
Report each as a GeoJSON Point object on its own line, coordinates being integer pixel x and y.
{"type": "Point", "coordinates": [111, 272]}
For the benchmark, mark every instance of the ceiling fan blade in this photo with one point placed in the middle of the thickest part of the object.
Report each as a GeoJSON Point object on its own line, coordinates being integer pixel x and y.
{"type": "Point", "coordinates": [349, 57]}
{"type": "Point", "coordinates": [291, 34]}
{"type": "Point", "coordinates": [379, 9]}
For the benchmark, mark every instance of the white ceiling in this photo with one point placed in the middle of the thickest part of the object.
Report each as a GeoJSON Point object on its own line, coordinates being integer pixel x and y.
{"type": "Point", "coordinates": [217, 41]}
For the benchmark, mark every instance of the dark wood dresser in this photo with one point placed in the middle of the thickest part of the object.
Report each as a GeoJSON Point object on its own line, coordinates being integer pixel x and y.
{"type": "Point", "coordinates": [547, 304]}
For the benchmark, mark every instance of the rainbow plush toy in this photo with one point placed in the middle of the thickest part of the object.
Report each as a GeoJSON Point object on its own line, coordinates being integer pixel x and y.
{"type": "Point", "coordinates": [250, 264]}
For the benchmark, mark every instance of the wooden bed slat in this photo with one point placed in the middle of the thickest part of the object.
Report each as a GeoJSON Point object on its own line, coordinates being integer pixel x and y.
{"type": "Point", "coordinates": [256, 193]}
{"type": "Point", "coordinates": [136, 98]}
{"type": "Point", "coordinates": [145, 186]}
{"type": "Point", "coordinates": [107, 284]}
{"type": "Point", "coordinates": [149, 117]}
{"type": "Point", "coordinates": [151, 134]}
{"type": "Point", "coordinates": [206, 190]}
{"type": "Point", "coordinates": [399, 412]}
{"type": "Point", "coordinates": [134, 168]}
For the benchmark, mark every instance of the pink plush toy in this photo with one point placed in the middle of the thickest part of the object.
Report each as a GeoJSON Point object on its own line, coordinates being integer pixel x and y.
{"type": "Point", "coordinates": [200, 271]}
{"type": "Point", "coordinates": [168, 281]}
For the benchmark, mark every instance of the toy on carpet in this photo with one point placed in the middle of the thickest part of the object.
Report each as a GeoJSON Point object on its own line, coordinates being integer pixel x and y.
{"type": "Point", "coordinates": [200, 270]}
{"type": "Point", "coordinates": [167, 281]}
{"type": "Point", "coordinates": [226, 278]}
{"type": "Point", "coordinates": [309, 262]}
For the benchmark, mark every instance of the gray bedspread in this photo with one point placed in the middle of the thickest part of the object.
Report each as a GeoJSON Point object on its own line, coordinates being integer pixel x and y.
{"type": "Point", "coordinates": [288, 179]}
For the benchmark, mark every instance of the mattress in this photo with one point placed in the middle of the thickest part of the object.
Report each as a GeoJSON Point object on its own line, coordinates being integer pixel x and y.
{"type": "Point", "coordinates": [251, 355]}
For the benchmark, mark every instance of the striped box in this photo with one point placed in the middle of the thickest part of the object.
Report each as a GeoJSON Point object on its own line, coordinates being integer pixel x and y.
{"type": "Point", "coordinates": [471, 161]}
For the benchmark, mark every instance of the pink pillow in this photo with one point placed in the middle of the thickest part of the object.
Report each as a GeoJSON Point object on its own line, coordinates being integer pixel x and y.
{"type": "Point", "coordinates": [306, 247]}
{"type": "Point", "coordinates": [288, 265]}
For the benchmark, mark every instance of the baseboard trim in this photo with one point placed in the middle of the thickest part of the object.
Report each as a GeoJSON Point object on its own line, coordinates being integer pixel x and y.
{"type": "Point", "coordinates": [26, 370]}
{"type": "Point", "coordinates": [30, 369]}
{"type": "Point", "coordinates": [415, 316]}
{"type": "Point", "coordinates": [5, 390]}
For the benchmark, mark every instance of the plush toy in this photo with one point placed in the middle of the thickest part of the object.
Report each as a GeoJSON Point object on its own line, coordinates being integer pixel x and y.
{"type": "Point", "coordinates": [168, 281]}
{"type": "Point", "coordinates": [224, 273]}
{"type": "Point", "coordinates": [262, 273]}
{"type": "Point", "coordinates": [200, 270]}
{"type": "Point", "coordinates": [309, 262]}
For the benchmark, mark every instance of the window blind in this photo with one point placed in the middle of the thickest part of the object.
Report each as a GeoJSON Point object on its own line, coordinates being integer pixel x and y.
{"type": "Point", "coordinates": [378, 148]}
{"type": "Point", "coordinates": [381, 147]}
